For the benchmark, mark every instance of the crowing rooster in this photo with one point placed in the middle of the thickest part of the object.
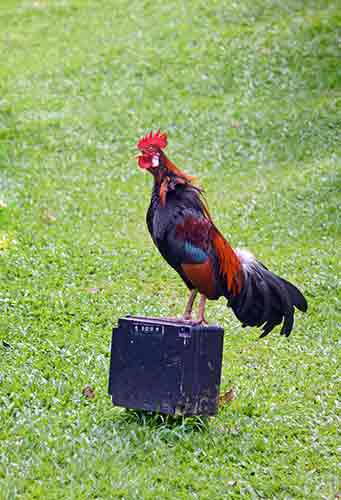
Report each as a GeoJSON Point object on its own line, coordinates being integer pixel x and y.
{"type": "Point", "coordinates": [186, 236]}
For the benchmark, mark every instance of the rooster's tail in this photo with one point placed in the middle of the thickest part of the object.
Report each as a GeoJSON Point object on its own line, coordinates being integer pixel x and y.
{"type": "Point", "coordinates": [265, 299]}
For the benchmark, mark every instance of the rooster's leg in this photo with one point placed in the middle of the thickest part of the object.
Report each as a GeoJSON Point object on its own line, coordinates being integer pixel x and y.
{"type": "Point", "coordinates": [201, 317]}
{"type": "Point", "coordinates": [188, 311]}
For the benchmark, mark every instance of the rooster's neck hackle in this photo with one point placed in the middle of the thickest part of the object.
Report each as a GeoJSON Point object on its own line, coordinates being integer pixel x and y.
{"type": "Point", "coordinates": [167, 177]}
{"type": "Point", "coordinates": [172, 169]}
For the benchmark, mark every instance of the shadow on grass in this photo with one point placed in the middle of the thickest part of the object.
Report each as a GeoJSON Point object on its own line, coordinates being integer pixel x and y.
{"type": "Point", "coordinates": [158, 421]}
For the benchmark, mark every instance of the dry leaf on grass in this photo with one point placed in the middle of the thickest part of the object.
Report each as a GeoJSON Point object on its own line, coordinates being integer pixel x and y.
{"type": "Point", "coordinates": [49, 216]}
{"type": "Point", "coordinates": [88, 392]}
{"type": "Point", "coordinates": [5, 241]}
{"type": "Point", "coordinates": [227, 397]}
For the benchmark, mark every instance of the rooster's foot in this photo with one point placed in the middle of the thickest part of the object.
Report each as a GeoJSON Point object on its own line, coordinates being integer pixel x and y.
{"type": "Point", "coordinates": [199, 321]}
{"type": "Point", "coordinates": [175, 319]}
{"type": "Point", "coordinates": [187, 317]}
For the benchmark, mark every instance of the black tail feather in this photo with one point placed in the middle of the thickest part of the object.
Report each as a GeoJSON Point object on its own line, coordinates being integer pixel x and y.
{"type": "Point", "coordinates": [266, 300]}
{"type": "Point", "coordinates": [296, 296]}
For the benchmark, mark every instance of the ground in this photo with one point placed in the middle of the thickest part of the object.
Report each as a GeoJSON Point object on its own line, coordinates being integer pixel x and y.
{"type": "Point", "coordinates": [250, 94]}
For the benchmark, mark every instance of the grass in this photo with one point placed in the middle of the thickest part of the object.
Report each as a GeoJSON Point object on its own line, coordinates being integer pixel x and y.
{"type": "Point", "coordinates": [250, 93]}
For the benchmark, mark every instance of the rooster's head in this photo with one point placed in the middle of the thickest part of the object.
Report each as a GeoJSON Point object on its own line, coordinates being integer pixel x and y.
{"type": "Point", "coordinates": [153, 159]}
{"type": "Point", "coordinates": [151, 147]}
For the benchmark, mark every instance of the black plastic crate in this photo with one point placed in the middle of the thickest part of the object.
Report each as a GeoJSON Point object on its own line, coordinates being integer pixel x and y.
{"type": "Point", "coordinates": [166, 366]}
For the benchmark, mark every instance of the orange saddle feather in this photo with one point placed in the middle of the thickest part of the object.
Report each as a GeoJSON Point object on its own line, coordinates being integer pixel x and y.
{"type": "Point", "coordinates": [202, 277]}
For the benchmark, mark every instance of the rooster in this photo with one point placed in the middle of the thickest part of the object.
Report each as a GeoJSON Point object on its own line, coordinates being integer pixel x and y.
{"type": "Point", "coordinates": [184, 233]}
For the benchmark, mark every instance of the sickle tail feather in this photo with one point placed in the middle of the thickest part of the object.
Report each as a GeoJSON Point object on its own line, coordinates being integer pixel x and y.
{"type": "Point", "coordinates": [265, 299]}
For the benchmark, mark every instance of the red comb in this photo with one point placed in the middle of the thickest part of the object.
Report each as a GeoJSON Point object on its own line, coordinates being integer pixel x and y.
{"type": "Point", "coordinates": [157, 140]}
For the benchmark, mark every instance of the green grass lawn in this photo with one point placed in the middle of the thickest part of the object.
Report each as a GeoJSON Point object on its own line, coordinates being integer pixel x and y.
{"type": "Point", "coordinates": [250, 94]}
